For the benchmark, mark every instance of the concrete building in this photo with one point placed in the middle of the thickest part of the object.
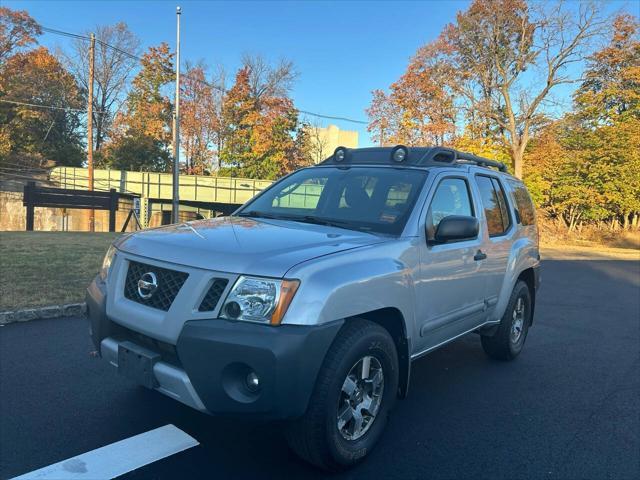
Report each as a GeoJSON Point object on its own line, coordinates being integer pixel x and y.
{"type": "Point", "coordinates": [325, 140]}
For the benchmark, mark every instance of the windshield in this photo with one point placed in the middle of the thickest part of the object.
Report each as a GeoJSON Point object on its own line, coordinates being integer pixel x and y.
{"type": "Point", "coordinates": [359, 198]}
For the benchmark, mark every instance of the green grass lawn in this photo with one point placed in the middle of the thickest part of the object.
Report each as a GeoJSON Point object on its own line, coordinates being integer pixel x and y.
{"type": "Point", "coordinates": [48, 268]}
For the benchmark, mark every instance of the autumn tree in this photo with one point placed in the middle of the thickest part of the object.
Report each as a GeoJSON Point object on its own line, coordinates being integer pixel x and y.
{"type": "Point", "coordinates": [147, 118]}
{"type": "Point", "coordinates": [419, 110]}
{"type": "Point", "coordinates": [238, 116]}
{"type": "Point", "coordinates": [558, 179]}
{"type": "Point", "coordinates": [114, 65]}
{"type": "Point", "coordinates": [499, 63]}
{"type": "Point", "coordinates": [383, 116]}
{"type": "Point", "coordinates": [262, 138]}
{"type": "Point", "coordinates": [34, 134]}
{"type": "Point", "coordinates": [198, 119]}
{"type": "Point", "coordinates": [509, 57]}
{"type": "Point", "coordinates": [586, 167]}
{"type": "Point", "coordinates": [607, 120]}
{"type": "Point", "coordinates": [17, 30]}
{"type": "Point", "coordinates": [149, 109]}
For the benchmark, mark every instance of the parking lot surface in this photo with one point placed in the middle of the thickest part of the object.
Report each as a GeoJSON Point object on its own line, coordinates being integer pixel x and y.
{"type": "Point", "coordinates": [568, 407]}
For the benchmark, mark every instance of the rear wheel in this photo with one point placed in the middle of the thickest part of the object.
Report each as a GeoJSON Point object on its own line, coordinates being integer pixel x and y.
{"type": "Point", "coordinates": [507, 342]}
{"type": "Point", "coordinates": [354, 392]}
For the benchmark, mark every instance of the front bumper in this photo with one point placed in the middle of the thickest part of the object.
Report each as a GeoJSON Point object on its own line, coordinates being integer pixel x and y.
{"type": "Point", "coordinates": [208, 367]}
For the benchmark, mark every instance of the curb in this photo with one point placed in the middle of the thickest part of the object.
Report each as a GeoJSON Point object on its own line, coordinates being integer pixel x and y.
{"type": "Point", "coordinates": [51, 311]}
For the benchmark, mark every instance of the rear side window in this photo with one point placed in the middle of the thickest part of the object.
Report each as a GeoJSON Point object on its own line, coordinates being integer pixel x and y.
{"type": "Point", "coordinates": [494, 202]}
{"type": "Point", "coordinates": [524, 204]}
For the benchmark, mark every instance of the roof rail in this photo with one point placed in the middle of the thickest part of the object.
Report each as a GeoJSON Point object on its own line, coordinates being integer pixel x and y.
{"type": "Point", "coordinates": [480, 161]}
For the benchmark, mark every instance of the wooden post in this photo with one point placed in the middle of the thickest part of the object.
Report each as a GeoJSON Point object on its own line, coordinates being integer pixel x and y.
{"type": "Point", "coordinates": [28, 202]}
{"type": "Point", "coordinates": [113, 206]}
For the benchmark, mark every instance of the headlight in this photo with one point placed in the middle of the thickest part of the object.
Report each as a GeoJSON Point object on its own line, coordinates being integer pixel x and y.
{"type": "Point", "coordinates": [106, 263]}
{"type": "Point", "coordinates": [261, 300]}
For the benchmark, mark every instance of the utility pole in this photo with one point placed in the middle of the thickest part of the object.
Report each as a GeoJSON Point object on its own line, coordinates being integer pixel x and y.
{"type": "Point", "coordinates": [176, 129]}
{"type": "Point", "coordinates": [92, 49]}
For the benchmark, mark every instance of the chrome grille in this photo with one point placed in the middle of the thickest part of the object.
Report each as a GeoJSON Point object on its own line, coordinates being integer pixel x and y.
{"type": "Point", "coordinates": [169, 284]}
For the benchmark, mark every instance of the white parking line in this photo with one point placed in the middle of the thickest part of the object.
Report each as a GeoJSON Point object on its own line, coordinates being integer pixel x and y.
{"type": "Point", "coordinates": [118, 458]}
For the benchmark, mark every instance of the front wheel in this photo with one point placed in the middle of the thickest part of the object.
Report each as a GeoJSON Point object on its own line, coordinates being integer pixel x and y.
{"type": "Point", "coordinates": [354, 392]}
{"type": "Point", "coordinates": [508, 340]}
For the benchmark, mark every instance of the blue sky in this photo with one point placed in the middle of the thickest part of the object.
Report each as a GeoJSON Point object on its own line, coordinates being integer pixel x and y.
{"type": "Point", "coordinates": [342, 50]}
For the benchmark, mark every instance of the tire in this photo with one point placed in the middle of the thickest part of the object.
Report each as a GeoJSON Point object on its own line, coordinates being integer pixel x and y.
{"type": "Point", "coordinates": [506, 343]}
{"type": "Point", "coordinates": [316, 437]}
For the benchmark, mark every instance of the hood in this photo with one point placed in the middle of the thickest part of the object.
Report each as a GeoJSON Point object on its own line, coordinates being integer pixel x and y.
{"type": "Point", "coordinates": [243, 245]}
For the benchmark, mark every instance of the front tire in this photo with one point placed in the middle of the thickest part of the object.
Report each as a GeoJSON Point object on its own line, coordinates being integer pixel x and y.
{"type": "Point", "coordinates": [508, 340]}
{"type": "Point", "coordinates": [354, 392]}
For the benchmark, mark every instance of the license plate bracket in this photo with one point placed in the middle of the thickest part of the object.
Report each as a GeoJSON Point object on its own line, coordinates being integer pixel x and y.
{"type": "Point", "coordinates": [136, 363]}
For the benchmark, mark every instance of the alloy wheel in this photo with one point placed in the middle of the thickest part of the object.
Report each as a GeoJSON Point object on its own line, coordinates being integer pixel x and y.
{"type": "Point", "coordinates": [360, 398]}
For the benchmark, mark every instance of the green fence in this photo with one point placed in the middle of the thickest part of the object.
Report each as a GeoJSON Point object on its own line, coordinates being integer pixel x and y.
{"type": "Point", "coordinates": [160, 185]}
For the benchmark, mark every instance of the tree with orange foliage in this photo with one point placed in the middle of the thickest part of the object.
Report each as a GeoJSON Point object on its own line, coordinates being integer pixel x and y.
{"type": "Point", "coordinates": [17, 29]}
{"type": "Point", "coordinates": [198, 119]}
{"type": "Point", "coordinates": [149, 109]}
{"type": "Point", "coordinates": [419, 110]}
{"type": "Point", "coordinates": [486, 63]}
{"type": "Point", "coordinates": [32, 135]}
{"type": "Point", "coordinates": [142, 135]}
{"type": "Point", "coordinates": [262, 136]}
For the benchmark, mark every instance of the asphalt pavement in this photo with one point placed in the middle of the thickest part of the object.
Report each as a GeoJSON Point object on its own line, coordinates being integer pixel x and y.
{"type": "Point", "coordinates": [568, 407]}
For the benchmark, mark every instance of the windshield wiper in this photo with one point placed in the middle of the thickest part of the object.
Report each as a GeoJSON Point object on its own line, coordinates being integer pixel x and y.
{"type": "Point", "coordinates": [304, 219]}
{"type": "Point", "coordinates": [257, 214]}
{"type": "Point", "coordinates": [326, 221]}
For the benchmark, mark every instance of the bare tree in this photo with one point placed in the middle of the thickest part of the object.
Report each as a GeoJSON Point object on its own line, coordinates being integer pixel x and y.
{"type": "Point", "coordinates": [115, 62]}
{"type": "Point", "coordinates": [318, 143]}
{"type": "Point", "coordinates": [268, 80]}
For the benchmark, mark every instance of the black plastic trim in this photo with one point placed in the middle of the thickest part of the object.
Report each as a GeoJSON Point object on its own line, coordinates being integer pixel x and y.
{"type": "Point", "coordinates": [218, 354]}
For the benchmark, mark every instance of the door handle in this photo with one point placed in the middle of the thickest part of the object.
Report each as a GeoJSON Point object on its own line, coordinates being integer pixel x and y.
{"type": "Point", "coordinates": [479, 256]}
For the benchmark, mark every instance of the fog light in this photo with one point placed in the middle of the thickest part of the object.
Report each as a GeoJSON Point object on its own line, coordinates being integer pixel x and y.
{"type": "Point", "coordinates": [253, 382]}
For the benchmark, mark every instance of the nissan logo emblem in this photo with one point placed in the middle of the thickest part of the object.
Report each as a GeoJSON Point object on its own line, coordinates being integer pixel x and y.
{"type": "Point", "coordinates": [147, 285]}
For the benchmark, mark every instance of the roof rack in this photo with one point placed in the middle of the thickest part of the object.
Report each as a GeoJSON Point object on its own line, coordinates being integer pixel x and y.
{"type": "Point", "coordinates": [401, 155]}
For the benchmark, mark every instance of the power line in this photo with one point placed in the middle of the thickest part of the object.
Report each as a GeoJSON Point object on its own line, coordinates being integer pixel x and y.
{"type": "Point", "coordinates": [330, 117]}
{"type": "Point", "coordinates": [52, 107]}
{"type": "Point", "coordinates": [204, 82]}
{"type": "Point", "coordinates": [63, 33]}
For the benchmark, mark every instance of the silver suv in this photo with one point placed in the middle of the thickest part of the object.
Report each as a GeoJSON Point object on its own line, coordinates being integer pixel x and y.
{"type": "Point", "coordinates": [311, 301]}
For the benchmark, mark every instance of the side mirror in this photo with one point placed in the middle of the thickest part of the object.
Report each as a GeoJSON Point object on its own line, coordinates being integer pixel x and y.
{"type": "Point", "coordinates": [456, 227]}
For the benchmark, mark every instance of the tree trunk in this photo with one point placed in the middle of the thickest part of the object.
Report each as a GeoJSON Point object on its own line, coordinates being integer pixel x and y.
{"type": "Point", "coordinates": [517, 154]}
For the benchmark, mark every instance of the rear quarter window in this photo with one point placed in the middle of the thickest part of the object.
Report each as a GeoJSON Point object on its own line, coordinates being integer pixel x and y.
{"type": "Point", "coordinates": [524, 205]}
{"type": "Point", "coordinates": [494, 203]}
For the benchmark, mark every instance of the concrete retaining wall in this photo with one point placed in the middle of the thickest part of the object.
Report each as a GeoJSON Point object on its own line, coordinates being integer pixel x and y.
{"type": "Point", "coordinates": [13, 217]}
